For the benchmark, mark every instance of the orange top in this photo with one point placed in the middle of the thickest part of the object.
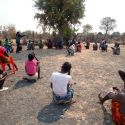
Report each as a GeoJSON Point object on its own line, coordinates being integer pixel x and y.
{"type": "Point", "coordinates": [117, 116]}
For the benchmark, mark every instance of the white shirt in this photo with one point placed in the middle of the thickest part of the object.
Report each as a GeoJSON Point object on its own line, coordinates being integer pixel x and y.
{"type": "Point", "coordinates": [72, 47]}
{"type": "Point", "coordinates": [59, 82]}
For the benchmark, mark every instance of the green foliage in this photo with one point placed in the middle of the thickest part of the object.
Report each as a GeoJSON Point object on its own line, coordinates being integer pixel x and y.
{"type": "Point", "coordinates": [107, 24]}
{"type": "Point", "coordinates": [115, 35]}
{"type": "Point", "coordinates": [87, 28]}
{"type": "Point", "coordinates": [59, 14]}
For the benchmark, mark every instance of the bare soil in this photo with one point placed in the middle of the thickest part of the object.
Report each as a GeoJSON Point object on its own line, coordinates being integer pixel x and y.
{"type": "Point", "coordinates": [31, 103]}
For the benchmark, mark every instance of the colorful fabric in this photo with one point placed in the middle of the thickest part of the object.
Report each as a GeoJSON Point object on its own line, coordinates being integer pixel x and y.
{"type": "Point", "coordinates": [117, 116]}
{"type": "Point", "coordinates": [4, 56]}
{"type": "Point", "coordinates": [7, 42]}
{"type": "Point", "coordinates": [2, 49]}
{"type": "Point", "coordinates": [31, 67]}
{"type": "Point", "coordinates": [79, 47]}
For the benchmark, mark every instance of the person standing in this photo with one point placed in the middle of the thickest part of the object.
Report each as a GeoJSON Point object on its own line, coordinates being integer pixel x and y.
{"type": "Point", "coordinates": [18, 37]}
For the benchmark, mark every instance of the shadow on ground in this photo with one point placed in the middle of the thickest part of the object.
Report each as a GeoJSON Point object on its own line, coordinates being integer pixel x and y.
{"type": "Point", "coordinates": [52, 113]}
{"type": "Point", "coordinates": [23, 83]}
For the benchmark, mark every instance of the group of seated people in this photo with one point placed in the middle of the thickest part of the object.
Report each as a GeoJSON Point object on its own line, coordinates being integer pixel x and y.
{"type": "Point", "coordinates": [61, 84]}
{"type": "Point", "coordinates": [72, 48]}
{"type": "Point", "coordinates": [58, 44]}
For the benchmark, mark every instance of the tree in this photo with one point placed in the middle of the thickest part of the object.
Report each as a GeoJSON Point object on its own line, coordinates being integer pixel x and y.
{"type": "Point", "coordinates": [107, 24]}
{"type": "Point", "coordinates": [98, 37]}
{"type": "Point", "coordinates": [87, 28]}
{"type": "Point", "coordinates": [115, 35]}
{"type": "Point", "coordinates": [59, 14]}
{"type": "Point", "coordinates": [9, 31]}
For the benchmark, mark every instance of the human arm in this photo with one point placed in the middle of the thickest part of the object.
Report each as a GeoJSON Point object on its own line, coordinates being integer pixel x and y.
{"type": "Point", "coordinates": [111, 95]}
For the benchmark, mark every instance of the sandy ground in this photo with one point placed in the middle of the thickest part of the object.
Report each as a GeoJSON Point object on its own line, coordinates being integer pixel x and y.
{"type": "Point", "coordinates": [31, 103]}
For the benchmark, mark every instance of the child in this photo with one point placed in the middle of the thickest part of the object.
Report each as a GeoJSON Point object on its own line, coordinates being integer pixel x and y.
{"type": "Point", "coordinates": [32, 68]}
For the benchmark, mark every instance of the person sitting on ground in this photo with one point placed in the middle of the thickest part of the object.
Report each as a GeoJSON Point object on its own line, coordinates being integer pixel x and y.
{"type": "Point", "coordinates": [8, 45]}
{"type": "Point", "coordinates": [116, 48]}
{"type": "Point", "coordinates": [118, 102]}
{"type": "Point", "coordinates": [3, 76]}
{"type": "Point", "coordinates": [32, 68]}
{"type": "Point", "coordinates": [78, 47]}
{"type": "Point", "coordinates": [49, 44]}
{"type": "Point", "coordinates": [61, 83]}
{"type": "Point", "coordinates": [41, 44]}
{"type": "Point", "coordinates": [6, 59]}
{"type": "Point", "coordinates": [87, 44]}
{"type": "Point", "coordinates": [30, 45]}
{"type": "Point", "coordinates": [103, 45]}
{"type": "Point", "coordinates": [95, 46]}
{"type": "Point", "coordinates": [71, 49]}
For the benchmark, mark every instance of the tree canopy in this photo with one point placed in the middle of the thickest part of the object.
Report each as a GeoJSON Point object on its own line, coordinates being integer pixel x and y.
{"type": "Point", "coordinates": [107, 24]}
{"type": "Point", "coordinates": [59, 14]}
{"type": "Point", "coordinates": [87, 28]}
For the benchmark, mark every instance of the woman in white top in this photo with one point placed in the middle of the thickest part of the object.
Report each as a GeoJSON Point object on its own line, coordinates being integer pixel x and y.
{"type": "Point", "coordinates": [61, 83]}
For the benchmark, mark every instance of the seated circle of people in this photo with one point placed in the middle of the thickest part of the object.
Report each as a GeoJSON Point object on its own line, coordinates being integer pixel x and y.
{"type": "Point", "coordinates": [118, 102]}
{"type": "Point", "coordinates": [32, 68]}
{"type": "Point", "coordinates": [116, 48]}
{"type": "Point", "coordinates": [3, 76]}
{"type": "Point", "coordinates": [61, 83]}
{"type": "Point", "coordinates": [103, 45]}
{"type": "Point", "coordinates": [95, 46]}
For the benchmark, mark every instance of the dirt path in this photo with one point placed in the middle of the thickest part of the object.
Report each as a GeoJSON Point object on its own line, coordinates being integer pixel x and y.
{"type": "Point", "coordinates": [30, 104]}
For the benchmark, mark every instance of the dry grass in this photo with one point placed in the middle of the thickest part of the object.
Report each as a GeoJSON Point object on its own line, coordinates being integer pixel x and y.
{"type": "Point", "coordinates": [30, 104]}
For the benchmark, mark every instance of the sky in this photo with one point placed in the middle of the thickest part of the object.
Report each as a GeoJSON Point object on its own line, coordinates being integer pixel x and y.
{"type": "Point", "coordinates": [21, 14]}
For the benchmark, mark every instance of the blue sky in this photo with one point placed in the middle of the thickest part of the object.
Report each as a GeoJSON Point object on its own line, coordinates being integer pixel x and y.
{"type": "Point", "coordinates": [21, 13]}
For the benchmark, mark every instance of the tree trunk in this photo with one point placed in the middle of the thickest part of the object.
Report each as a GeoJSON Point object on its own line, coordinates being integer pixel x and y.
{"type": "Point", "coordinates": [61, 33]}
